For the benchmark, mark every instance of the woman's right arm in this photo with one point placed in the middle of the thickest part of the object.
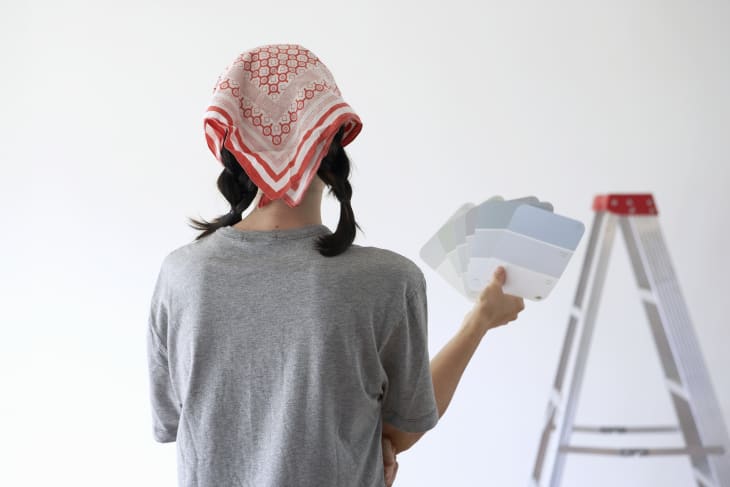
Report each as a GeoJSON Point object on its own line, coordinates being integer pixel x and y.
{"type": "Point", "coordinates": [492, 309]}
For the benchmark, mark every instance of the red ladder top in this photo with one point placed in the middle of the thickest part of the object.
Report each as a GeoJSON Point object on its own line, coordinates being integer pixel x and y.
{"type": "Point", "coordinates": [626, 204]}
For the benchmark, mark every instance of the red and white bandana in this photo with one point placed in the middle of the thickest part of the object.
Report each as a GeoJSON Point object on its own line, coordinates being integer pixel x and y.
{"type": "Point", "coordinates": [277, 108]}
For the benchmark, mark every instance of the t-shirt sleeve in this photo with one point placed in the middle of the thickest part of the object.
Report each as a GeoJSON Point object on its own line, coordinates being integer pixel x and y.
{"type": "Point", "coordinates": [164, 404]}
{"type": "Point", "coordinates": [408, 400]}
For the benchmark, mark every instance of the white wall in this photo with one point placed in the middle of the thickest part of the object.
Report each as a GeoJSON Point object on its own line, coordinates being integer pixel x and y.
{"type": "Point", "coordinates": [103, 158]}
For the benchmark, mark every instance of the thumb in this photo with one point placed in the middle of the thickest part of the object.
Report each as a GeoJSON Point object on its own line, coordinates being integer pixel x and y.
{"type": "Point", "coordinates": [499, 276]}
{"type": "Point", "coordinates": [388, 453]}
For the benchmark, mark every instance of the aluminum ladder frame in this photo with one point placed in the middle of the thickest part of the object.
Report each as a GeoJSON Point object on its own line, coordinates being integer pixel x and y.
{"type": "Point", "coordinates": [688, 383]}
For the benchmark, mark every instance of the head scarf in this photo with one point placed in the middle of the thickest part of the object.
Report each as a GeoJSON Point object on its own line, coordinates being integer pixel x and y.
{"type": "Point", "coordinates": [276, 108]}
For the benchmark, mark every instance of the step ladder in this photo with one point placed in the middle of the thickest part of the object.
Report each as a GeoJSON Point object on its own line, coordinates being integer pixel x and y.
{"type": "Point", "coordinates": [699, 416]}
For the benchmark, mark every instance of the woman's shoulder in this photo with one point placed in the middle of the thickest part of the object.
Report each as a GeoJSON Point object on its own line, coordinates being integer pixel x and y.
{"type": "Point", "coordinates": [387, 257]}
{"type": "Point", "coordinates": [389, 264]}
{"type": "Point", "coordinates": [185, 255]}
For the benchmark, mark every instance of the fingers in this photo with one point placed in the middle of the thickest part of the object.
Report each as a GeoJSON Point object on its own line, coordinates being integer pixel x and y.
{"type": "Point", "coordinates": [390, 474]}
{"type": "Point", "coordinates": [513, 308]}
{"type": "Point", "coordinates": [515, 302]}
{"type": "Point", "coordinates": [388, 452]}
{"type": "Point", "coordinates": [390, 466]}
{"type": "Point", "coordinates": [518, 304]}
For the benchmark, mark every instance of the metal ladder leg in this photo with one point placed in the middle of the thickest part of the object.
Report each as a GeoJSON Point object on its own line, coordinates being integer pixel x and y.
{"type": "Point", "coordinates": [687, 380]}
{"type": "Point", "coordinates": [562, 407]}
{"type": "Point", "coordinates": [586, 333]}
{"type": "Point", "coordinates": [554, 403]}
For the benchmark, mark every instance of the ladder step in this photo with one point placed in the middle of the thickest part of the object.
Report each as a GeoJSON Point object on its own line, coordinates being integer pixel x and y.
{"type": "Point", "coordinates": [647, 295]}
{"type": "Point", "coordinates": [576, 312]}
{"type": "Point", "coordinates": [676, 389]}
{"type": "Point", "coordinates": [628, 452]}
{"type": "Point", "coordinates": [626, 429]}
{"type": "Point", "coordinates": [555, 397]}
{"type": "Point", "coordinates": [702, 478]}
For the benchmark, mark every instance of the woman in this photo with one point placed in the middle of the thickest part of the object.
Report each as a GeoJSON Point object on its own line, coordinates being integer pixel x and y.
{"type": "Point", "coordinates": [282, 353]}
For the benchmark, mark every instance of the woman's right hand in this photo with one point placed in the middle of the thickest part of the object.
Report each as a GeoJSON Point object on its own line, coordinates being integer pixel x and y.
{"type": "Point", "coordinates": [494, 308]}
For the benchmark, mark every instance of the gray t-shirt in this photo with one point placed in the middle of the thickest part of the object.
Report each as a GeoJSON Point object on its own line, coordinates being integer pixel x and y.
{"type": "Point", "coordinates": [273, 366]}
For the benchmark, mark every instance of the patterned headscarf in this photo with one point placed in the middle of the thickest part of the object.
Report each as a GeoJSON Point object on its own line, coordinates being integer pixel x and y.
{"type": "Point", "coordinates": [276, 108]}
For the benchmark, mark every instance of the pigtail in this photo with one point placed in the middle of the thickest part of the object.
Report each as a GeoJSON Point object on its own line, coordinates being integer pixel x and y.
{"type": "Point", "coordinates": [334, 170]}
{"type": "Point", "coordinates": [238, 190]}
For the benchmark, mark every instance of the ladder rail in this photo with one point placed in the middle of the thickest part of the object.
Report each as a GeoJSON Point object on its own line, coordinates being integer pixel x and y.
{"type": "Point", "coordinates": [588, 318]}
{"type": "Point", "coordinates": [567, 351]}
{"type": "Point", "coordinates": [698, 412]}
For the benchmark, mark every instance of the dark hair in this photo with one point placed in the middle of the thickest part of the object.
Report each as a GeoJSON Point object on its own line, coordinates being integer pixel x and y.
{"type": "Point", "coordinates": [240, 191]}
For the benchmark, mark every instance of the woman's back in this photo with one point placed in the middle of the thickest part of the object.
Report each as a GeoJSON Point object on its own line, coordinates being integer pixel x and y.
{"type": "Point", "coordinates": [276, 363]}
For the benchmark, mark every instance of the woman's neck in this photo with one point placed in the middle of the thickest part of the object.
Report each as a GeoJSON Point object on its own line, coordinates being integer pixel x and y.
{"type": "Point", "coordinates": [277, 215]}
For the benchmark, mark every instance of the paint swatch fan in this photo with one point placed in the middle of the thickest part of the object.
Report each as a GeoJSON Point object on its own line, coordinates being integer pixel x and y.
{"type": "Point", "coordinates": [523, 235]}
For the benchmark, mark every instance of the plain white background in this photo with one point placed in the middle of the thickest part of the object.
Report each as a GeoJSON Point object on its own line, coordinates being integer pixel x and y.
{"type": "Point", "coordinates": [103, 158]}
